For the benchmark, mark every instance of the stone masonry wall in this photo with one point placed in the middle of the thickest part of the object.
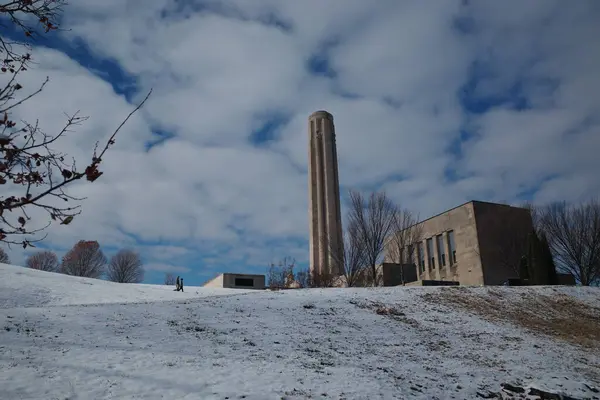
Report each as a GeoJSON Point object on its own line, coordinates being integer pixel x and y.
{"type": "Point", "coordinates": [467, 269]}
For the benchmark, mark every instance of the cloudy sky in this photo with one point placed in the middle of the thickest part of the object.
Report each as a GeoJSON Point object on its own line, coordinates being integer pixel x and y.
{"type": "Point", "coordinates": [435, 102]}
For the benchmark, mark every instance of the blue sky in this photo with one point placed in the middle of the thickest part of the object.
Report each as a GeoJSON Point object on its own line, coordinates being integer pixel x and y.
{"type": "Point", "coordinates": [436, 103]}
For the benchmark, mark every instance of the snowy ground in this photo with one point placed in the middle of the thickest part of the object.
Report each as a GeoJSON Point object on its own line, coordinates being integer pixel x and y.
{"type": "Point", "coordinates": [386, 343]}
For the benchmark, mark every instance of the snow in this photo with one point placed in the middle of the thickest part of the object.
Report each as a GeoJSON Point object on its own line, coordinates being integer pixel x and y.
{"type": "Point", "coordinates": [63, 337]}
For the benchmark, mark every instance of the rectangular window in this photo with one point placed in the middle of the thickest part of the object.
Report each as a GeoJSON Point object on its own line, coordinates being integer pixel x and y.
{"type": "Point", "coordinates": [441, 251]}
{"type": "Point", "coordinates": [452, 248]}
{"type": "Point", "coordinates": [401, 260]}
{"type": "Point", "coordinates": [246, 282]}
{"type": "Point", "coordinates": [421, 256]}
{"type": "Point", "coordinates": [410, 254]}
{"type": "Point", "coordinates": [430, 253]}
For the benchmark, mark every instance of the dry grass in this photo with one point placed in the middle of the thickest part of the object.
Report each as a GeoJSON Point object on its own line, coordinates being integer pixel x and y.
{"type": "Point", "coordinates": [389, 311]}
{"type": "Point", "coordinates": [386, 310]}
{"type": "Point", "coordinates": [557, 315]}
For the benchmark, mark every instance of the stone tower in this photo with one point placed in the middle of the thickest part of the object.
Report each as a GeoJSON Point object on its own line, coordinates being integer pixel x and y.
{"type": "Point", "coordinates": [326, 242]}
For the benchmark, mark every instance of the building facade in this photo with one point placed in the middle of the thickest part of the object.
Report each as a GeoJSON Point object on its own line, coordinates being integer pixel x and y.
{"type": "Point", "coordinates": [476, 243]}
{"type": "Point", "coordinates": [237, 281]}
{"type": "Point", "coordinates": [326, 242]}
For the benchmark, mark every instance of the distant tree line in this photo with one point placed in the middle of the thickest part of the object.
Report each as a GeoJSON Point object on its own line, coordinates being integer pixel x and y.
{"type": "Point", "coordinates": [87, 260]}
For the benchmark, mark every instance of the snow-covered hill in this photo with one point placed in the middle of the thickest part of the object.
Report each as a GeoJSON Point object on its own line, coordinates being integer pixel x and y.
{"type": "Point", "coordinates": [24, 287]}
{"type": "Point", "coordinates": [384, 343]}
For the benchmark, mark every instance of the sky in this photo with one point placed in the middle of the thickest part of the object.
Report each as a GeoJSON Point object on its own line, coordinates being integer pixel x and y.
{"type": "Point", "coordinates": [436, 103]}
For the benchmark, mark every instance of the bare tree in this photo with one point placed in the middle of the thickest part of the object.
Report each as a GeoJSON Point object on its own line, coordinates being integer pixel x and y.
{"type": "Point", "coordinates": [170, 279]}
{"type": "Point", "coordinates": [84, 259]}
{"type": "Point", "coordinates": [352, 259]}
{"type": "Point", "coordinates": [573, 234]}
{"type": "Point", "coordinates": [405, 236]}
{"type": "Point", "coordinates": [374, 221]}
{"type": "Point", "coordinates": [33, 174]}
{"type": "Point", "coordinates": [275, 277]}
{"type": "Point", "coordinates": [322, 279]}
{"type": "Point", "coordinates": [288, 264]}
{"type": "Point", "coordinates": [303, 278]}
{"type": "Point", "coordinates": [125, 267]}
{"type": "Point", "coordinates": [281, 275]}
{"type": "Point", "coordinates": [43, 260]}
{"type": "Point", "coordinates": [536, 216]}
{"type": "Point", "coordinates": [4, 259]}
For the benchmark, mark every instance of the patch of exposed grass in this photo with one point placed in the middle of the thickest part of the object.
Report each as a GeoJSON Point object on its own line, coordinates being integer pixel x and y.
{"type": "Point", "coordinates": [557, 315]}
{"type": "Point", "coordinates": [387, 310]}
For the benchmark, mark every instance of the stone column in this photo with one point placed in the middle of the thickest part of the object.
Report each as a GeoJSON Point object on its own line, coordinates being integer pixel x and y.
{"type": "Point", "coordinates": [331, 199]}
{"type": "Point", "coordinates": [425, 258]}
{"type": "Point", "coordinates": [313, 214]}
{"type": "Point", "coordinates": [321, 207]}
{"type": "Point", "coordinates": [437, 266]}
{"type": "Point", "coordinates": [338, 208]}
{"type": "Point", "coordinates": [448, 256]}
{"type": "Point", "coordinates": [324, 213]}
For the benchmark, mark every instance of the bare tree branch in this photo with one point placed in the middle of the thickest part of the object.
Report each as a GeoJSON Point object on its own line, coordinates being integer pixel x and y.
{"type": "Point", "coordinates": [353, 258]}
{"type": "Point", "coordinates": [44, 14]}
{"type": "Point", "coordinates": [32, 174]}
{"type": "Point", "coordinates": [536, 215]}
{"type": "Point", "coordinates": [27, 161]}
{"type": "Point", "coordinates": [125, 267]}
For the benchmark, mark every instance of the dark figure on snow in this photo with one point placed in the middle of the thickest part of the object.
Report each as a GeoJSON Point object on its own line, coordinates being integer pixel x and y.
{"type": "Point", "coordinates": [177, 284]}
{"type": "Point", "coordinates": [181, 284]}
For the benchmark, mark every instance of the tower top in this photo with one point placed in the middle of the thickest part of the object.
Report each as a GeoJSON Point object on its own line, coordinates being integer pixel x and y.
{"type": "Point", "coordinates": [321, 113]}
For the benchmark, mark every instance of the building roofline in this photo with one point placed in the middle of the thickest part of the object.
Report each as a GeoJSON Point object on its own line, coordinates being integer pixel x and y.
{"type": "Point", "coordinates": [461, 205]}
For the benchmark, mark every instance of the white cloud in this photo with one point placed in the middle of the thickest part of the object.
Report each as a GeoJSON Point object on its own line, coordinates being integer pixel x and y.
{"type": "Point", "coordinates": [167, 268]}
{"type": "Point", "coordinates": [209, 196]}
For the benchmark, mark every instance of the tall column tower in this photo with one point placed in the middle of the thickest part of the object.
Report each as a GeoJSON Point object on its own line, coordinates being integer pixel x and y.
{"type": "Point", "coordinates": [326, 242]}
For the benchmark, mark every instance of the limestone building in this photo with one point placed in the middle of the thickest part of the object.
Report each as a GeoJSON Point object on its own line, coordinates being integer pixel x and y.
{"type": "Point", "coordinates": [326, 242]}
{"type": "Point", "coordinates": [237, 281]}
{"type": "Point", "coordinates": [476, 243]}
